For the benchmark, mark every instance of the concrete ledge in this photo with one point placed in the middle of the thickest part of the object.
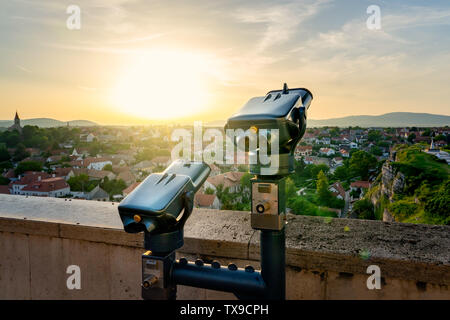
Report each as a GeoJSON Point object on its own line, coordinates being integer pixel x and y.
{"type": "Point", "coordinates": [325, 249]}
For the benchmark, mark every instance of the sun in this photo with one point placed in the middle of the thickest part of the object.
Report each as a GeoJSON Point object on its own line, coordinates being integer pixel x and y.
{"type": "Point", "coordinates": [162, 85]}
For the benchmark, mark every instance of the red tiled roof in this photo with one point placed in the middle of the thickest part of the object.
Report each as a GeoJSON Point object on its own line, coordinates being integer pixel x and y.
{"type": "Point", "coordinates": [304, 148]}
{"type": "Point", "coordinates": [88, 161]}
{"type": "Point", "coordinates": [126, 176]}
{"type": "Point", "coordinates": [4, 190]}
{"type": "Point", "coordinates": [204, 200]}
{"type": "Point", "coordinates": [31, 176]}
{"type": "Point", "coordinates": [340, 189]}
{"type": "Point", "coordinates": [47, 185]}
{"type": "Point", "coordinates": [360, 184]}
{"type": "Point", "coordinates": [131, 188]}
{"type": "Point", "coordinates": [62, 172]}
{"type": "Point", "coordinates": [226, 179]}
{"type": "Point", "coordinates": [9, 174]}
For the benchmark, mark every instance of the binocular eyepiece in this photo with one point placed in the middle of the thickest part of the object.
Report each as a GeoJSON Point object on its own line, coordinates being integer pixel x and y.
{"type": "Point", "coordinates": [279, 116]}
{"type": "Point", "coordinates": [161, 204]}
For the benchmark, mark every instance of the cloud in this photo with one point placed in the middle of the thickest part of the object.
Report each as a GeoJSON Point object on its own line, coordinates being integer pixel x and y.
{"type": "Point", "coordinates": [280, 21]}
{"type": "Point", "coordinates": [23, 69]}
{"type": "Point", "coordinates": [415, 16]}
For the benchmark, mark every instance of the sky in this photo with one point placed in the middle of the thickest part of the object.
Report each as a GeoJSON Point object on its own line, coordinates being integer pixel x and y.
{"type": "Point", "coordinates": [138, 62]}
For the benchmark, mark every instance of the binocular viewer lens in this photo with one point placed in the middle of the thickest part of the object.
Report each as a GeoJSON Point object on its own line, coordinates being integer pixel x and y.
{"type": "Point", "coordinates": [276, 120]}
{"type": "Point", "coordinates": [159, 203]}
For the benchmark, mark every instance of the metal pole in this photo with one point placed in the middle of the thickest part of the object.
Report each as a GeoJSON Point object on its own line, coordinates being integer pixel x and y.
{"type": "Point", "coordinates": [243, 283]}
{"type": "Point", "coordinates": [273, 263]}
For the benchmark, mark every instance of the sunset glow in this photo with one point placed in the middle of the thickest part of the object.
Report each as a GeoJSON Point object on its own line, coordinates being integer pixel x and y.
{"type": "Point", "coordinates": [162, 85]}
{"type": "Point", "coordinates": [137, 62]}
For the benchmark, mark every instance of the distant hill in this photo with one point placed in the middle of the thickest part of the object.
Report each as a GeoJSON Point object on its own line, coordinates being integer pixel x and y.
{"type": "Point", "coordinates": [48, 123]}
{"type": "Point", "coordinates": [394, 119]}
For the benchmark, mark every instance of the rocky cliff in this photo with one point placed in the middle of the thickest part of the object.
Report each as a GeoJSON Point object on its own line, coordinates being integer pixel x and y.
{"type": "Point", "coordinates": [392, 180]}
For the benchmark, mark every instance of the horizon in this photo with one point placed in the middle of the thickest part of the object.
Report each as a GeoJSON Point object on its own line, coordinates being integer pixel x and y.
{"type": "Point", "coordinates": [135, 63]}
{"type": "Point", "coordinates": [214, 123]}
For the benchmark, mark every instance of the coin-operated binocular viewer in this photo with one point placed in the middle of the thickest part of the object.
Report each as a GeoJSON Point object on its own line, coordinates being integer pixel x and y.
{"type": "Point", "coordinates": [163, 202]}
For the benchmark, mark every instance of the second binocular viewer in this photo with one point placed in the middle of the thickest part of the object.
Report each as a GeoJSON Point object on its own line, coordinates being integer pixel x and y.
{"type": "Point", "coordinates": [162, 203]}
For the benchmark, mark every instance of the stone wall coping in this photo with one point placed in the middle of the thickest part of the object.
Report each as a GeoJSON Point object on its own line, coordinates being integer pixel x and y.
{"type": "Point", "coordinates": [403, 251]}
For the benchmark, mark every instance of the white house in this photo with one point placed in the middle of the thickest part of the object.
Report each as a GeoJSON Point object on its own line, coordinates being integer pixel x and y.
{"type": "Point", "coordinates": [52, 187]}
{"type": "Point", "coordinates": [338, 190]}
{"type": "Point", "coordinates": [344, 153]}
{"type": "Point", "coordinates": [302, 151]}
{"type": "Point", "coordinates": [327, 151]}
{"type": "Point", "coordinates": [96, 163]}
{"type": "Point", "coordinates": [338, 161]}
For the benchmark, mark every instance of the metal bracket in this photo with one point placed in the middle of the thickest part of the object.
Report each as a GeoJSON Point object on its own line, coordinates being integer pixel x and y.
{"type": "Point", "coordinates": [268, 204]}
{"type": "Point", "coordinates": [156, 271]}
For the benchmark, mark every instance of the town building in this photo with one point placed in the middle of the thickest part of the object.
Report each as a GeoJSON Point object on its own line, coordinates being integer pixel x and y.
{"type": "Point", "coordinates": [337, 190]}
{"type": "Point", "coordinates": [302, 151]}
{"type": "Point", "coordinates": [231, 180]}
{"type": "Point", "coordinates": [16, 125]}
{"type": "Point", "coordinates": [337, 161]}
{"type": "Point", "coordinates": [327, 151]}
{"type": "Point", "coordinates": [209, 201]}
{"type": "Point", "coordinates": [51, 187]}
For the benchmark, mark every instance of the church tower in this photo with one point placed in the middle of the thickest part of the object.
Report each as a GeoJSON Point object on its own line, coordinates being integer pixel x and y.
{"type": "Point", "coordinates": [17, 120]}
{"type": "Point", "coordinates": [16, 125]}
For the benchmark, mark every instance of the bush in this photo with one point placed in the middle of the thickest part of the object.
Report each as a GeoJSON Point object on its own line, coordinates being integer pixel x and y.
{"type": "Point", "coordinates": [28, 166]}
{"type": "Point", "coordinates": [438, 206]}
{"type": "Point", "coordinates": [301, 206]}
{"type": "Point", "coordinates": [4, 181]}
{"type": "Point", "coordinates": [403, 208]}
{"type": "Point", "coordinates": [364, 209]}
{"type": "Point", "coordinates": [4, 154]}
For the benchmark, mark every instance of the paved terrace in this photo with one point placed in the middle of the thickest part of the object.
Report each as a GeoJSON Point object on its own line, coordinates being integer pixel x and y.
{"type": "Point", "coordinates": [326, 258]}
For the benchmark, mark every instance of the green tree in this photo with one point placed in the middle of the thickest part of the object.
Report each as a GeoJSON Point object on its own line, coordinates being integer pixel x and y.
{"type": "Point", "coordinates": [374, 135]}
{"type": "Point", "coordinates": [361, 163]}
{"type": "Point", "coordinates": [243, 168]}
{"type": "Point", "coordinates": [20, 153]}
{"type": "Point", "coordinates": [28, 166]}
{"type": "Point", "coordinates": [290, 188]}
{"type": "Point", "coordinates": [108, 167]}
{"type": "Point", "coordinates": [81, 183]}
{"type": "Point", "coordinates": [411, 137]}
{"type": "Point", "coordinates": [4, 154]}
{"type": "Point", "coordinates": [301, 206]}
{"type": "Point", "coordinates": [209, 190]}
{"type": "Point", "coordinates": [246, 182]}
{"type": "Point", "coordinates": [364, 209]}
{"type": "Point", "coordinates": [439, 204]}
{"type": "Point", "coordinates": [376, 151]}
{"type": "Point", "coordinates": [113, 186]}
{"type": "Point", "coordinates": [4, 181]}
{"type": "Point", "coordinates": [322, 188]}
{"type": "Point", "coordinates": [341, 173]}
